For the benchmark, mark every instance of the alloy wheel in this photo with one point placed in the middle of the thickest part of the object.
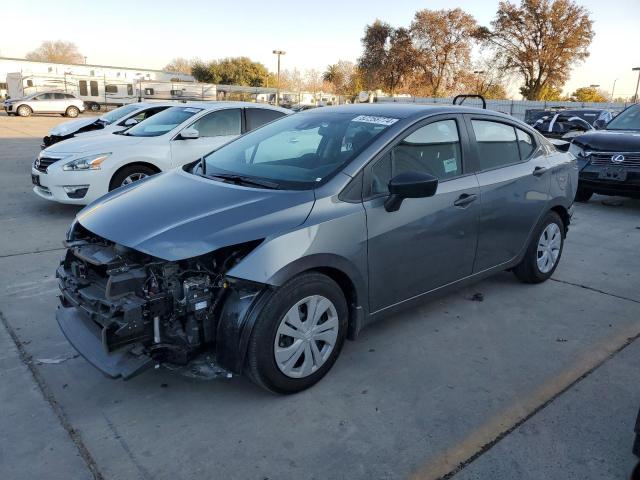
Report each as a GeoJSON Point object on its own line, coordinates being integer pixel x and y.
{"type": "Point", "coordinates": [549, 248]}
{"type": "Point", "coordinates": [134, 177]}
{"type": "Point", "coordinates": [306, 336]}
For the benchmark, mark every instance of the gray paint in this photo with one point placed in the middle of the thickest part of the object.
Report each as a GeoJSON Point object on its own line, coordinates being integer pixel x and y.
{"type": "Point", "coordinates": [428, 245]}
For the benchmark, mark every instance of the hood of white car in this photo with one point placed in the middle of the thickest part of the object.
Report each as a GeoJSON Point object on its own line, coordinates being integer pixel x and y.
{"type": "Point", "coordinates": [72, 126]}
{"type": "Point", "coordinates": [92, 144]}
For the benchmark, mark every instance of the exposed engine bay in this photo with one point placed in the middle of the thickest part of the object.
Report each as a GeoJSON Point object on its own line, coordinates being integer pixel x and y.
{"type": "Point", "coordinates": [157, 311]}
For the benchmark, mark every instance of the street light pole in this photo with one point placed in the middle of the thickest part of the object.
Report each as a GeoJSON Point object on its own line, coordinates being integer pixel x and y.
{"type": "Point", "coordinates": [613, 89]}
{"type": "Point", "coordinates": [278, 53]}
{"type": "Point", "coordinates": [478, 72]}
{"type": "Point", "coordinates": [635, 97]}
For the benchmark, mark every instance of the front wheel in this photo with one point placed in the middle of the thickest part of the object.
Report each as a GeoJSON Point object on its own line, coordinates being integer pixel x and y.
{"type": "Point", "coordinates": [24, 111]}
{"type": "Point", "coordinates": [544, 251]}
{"type": "Point", "coordinates": [130, 174]}
{"type": "Point", "coordinates": [298, 334]}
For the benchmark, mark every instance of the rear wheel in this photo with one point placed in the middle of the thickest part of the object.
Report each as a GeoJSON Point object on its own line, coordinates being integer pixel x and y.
{"type": "Point", "coordinates": [94, 107]}
{"type": "Point", "coordinates": [298, 334]}
{"type": "Point", "coordinates": [130, 174]}
{"type": "Point", "coordinates": [544, 251]}
{"type": "Point", "coordinates": [583, 195]}
{"type": "Point", "coordinates": [24, 111]}
{"type": "Point", "coordinates": [72, 112]}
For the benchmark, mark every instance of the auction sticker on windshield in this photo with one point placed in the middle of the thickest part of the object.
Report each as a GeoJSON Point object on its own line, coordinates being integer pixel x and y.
{"type": "Point", "coordinates": [377, 120]}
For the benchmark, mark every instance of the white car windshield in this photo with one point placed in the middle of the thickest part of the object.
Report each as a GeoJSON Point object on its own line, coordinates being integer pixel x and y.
{"type": "Point", "coordinates": [162, 122]}
{"type": "Point", "coordinates": [118, 113]}
{"type": "Point", "coordinates": [298, 151]}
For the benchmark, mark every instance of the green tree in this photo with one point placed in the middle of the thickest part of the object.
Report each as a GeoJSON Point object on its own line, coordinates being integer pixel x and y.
{"type": "Point", "coordinates": [540, 40]}
{"type": "Point", "coordinates": [231, 71]}
{"type": "Point", "coordinates": [588, 94]}
{"type": "Point", "coordinates": [57, 51]}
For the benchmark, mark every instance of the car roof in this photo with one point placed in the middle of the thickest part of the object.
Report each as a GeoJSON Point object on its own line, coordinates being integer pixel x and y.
{"type": "Point", "coordinates": [402, 110]}
{"type": "Point", "coordinates": [219, 104]}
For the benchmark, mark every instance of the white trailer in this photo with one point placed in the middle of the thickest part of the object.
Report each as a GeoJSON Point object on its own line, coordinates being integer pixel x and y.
{"type": "Point", "coordinates": [176, 91]}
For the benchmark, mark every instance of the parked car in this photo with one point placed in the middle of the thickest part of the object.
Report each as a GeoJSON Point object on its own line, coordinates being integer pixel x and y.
{"type": "Point", "coordinates": [65, 104]}
{"type": "Point", "coordinates": [596, 117]}
{"type": "Point", "coordinates": [609, 159]}
{"type": "Point", "coordinates": [113, 121]}
{"type": "Point", "coordinates": [263, 256]}
{"type": "Point", "coordinates": [562, 126]}
{"type": "Point", "coordinates": [80, 170]}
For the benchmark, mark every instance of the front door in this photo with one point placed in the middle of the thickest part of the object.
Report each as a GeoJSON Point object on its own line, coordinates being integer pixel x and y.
{"type": "Point", "coordinates": [215, 129]}
{"type": "Point", "coordinates": [514, 188]}
{"type": "Point", "coordinates": [428, 242]}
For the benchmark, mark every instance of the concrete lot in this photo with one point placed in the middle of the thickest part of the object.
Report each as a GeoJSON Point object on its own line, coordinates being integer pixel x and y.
{"type": "Point", "coordinates": [533, 382]}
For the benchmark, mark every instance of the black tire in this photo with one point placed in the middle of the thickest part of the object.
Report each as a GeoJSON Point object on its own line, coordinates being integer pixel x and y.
{"type": "Point", "coordinates": [527, 270]}
{"type": "Point", "coordinates": [129, 170]}
{"type": "Point", "coordinates": [94, 107]}
{"type": "Point", "coordinates": [24, 111]}
{"type": "Point", "coordinates": [261, 365]}
{"type": "Point", "coordinates": [583, 194]}
{"type": "Point", "coordinates": [72, 112]}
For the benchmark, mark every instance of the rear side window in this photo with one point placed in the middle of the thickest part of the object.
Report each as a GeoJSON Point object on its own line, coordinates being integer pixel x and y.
{"type": "Point", "coordinates": [525, 143]}
{"type": "Point", "coordinates": [220, 123]}
{"type": "Point", "coordinates": [256, 117]}
{"type": "Point", "coordinates": [497, 144]}
{"type": "Point", "coordinates": [59, 96]}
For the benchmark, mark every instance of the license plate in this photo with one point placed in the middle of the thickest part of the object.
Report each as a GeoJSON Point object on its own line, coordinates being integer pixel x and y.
{"type": "Point", "coordinates": [35, 179]}
{"type": "Point", "coordinates": [613, 173]}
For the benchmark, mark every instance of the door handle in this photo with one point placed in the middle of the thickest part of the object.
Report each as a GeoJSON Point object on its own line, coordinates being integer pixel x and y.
{"type": "Point", "coordinates": [465, 199]}
{"type": "Point", "coordinates": [538, 171]}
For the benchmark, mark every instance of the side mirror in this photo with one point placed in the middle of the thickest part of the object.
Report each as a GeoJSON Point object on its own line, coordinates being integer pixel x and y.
{"type": "Point", "coordinates": [409, 185]}
{"type": "Point", "coordinates": [189, 133]}
{"type": "Point", "coordinates": [131, 122]}
{"type": "Point", "coordinates": [600, 124]}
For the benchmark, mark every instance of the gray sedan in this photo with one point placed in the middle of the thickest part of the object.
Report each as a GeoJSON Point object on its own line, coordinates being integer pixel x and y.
{"type": "Point", "coordinates": [262, 257]}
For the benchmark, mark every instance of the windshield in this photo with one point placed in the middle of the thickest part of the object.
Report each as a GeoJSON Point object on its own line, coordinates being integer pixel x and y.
{"type": "Point", "coordinates": [162, 122]}
{"type": "Point", "coordinates": [627, 120]}
{"type": "Point", "coordinates": [299, 150]}
{"type": "Point", "coordinates": [118, 113]}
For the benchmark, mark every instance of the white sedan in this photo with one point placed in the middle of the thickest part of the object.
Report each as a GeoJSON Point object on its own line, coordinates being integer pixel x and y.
{"type": "Point", "coordinates": [80, 170]}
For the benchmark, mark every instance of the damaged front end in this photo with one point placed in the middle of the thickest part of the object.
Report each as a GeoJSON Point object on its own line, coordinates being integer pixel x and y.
{"type": "Point", "coordinates": [126, 311]}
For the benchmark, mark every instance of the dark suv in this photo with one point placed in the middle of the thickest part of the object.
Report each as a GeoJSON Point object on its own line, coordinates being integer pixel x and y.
{"type": "Point", "coordinates": [609, 159]}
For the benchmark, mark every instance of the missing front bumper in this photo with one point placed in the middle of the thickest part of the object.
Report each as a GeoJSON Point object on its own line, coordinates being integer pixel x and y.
{"type": "Point", "coordinates": [86, 337]}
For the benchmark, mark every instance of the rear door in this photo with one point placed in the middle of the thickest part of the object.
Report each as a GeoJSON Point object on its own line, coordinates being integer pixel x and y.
{"type": "Point", "coordinates": [60, 103]}
{"type": "Point", "coordinates": [428, 242]}
{"type": "Point", "coordinates": [514, 187]}
{"type": "Point", "coordinates": [215, 129]}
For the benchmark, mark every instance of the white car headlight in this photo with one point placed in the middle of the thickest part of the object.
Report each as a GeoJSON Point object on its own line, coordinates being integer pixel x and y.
{"type": "Point", "coordinates": [91, 162]}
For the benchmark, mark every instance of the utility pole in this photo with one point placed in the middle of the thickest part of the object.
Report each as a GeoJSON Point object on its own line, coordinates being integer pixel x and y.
{"type": "Point", "coordinates": [278, 53]}
{"type": "Point", "coordinates": [613, 89]}
{"type": "Point", "coordinates": [478, 72]}
{"type": "Point", "coordinates": [635, 97]}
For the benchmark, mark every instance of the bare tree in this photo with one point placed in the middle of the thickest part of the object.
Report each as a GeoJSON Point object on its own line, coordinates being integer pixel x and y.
{"type": "Point", "coordinates": [179, 65]}
{"type": "Point", "coordinates": [442, 40]}
{"type": "Point", "coordinates": [540, 40]}
{"type": "Point", "coordinates": [57, 51]}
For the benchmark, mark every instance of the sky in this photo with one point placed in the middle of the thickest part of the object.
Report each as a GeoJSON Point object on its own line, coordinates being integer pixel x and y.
{"type": "Point", "coordinates": [148, 34]}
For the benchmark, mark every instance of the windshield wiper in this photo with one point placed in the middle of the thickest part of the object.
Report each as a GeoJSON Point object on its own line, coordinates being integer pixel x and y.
{"type": "Point", "coordinates": [242, 180]}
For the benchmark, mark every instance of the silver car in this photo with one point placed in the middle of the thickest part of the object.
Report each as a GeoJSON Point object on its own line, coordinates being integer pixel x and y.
{"type": "Point", "coordinates": [65, 104]}
{"type": "Point", "coordinates": [262, 257]}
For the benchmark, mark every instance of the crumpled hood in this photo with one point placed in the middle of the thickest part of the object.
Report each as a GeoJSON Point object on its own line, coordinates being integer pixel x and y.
{"type": "Point", "coordinates": [610, 141]}
{"type": "Point", "coordinates": [72, 126]}
{"type": "Point", "coordinates": [177, 215]}
{"type": "Point", "coordinates": [92, 144]}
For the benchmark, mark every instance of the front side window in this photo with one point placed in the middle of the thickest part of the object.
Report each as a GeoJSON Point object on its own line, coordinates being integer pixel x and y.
{"type": "Point", "coordinates": [627, 120]}
{"type": "Point", "coordinates": [220, 123]}
{"type": "Point", "coordinates": [497, 144]}
{"type": "Point", "coordinates": [433, 149]}
{"type": "Point", "coordinates": [44, 96]}
{"type": "Point", "coordinates": [298, 151]}
{"type": "Point", "coordinates": [163, 122]}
